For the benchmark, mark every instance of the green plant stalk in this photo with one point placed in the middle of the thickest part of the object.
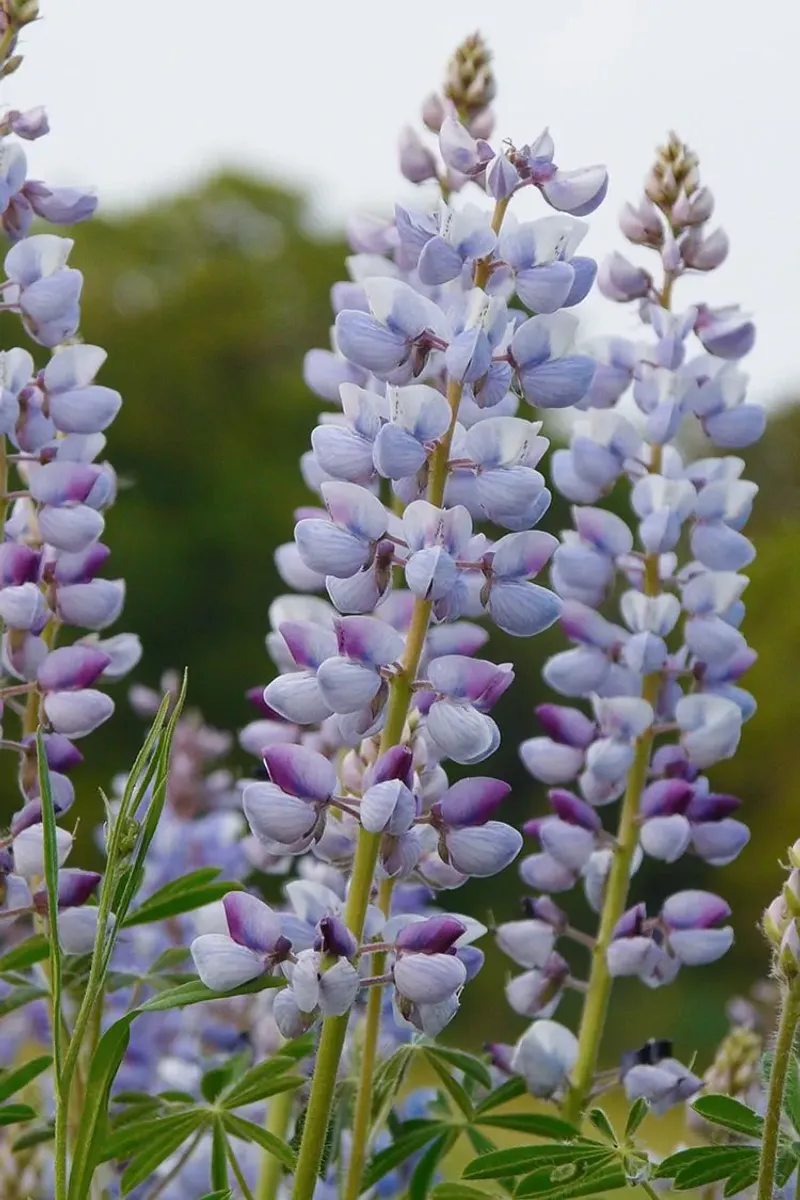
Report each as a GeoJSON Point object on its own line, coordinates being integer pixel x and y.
{"type": "Point", "coordinates": [784, 1044]}
{"type": "Point", "coordinates": [334, 1029]}
{"type": "Point", "coordinates": [369, 1055]}
{"type": "Point", "coordinates": [279, 1112]}
{"type": "Point", "coordinates": [598, 994]}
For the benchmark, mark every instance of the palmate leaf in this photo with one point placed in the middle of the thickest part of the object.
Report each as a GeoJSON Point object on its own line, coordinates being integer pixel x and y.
{"type": "Point", "coordinates": [388, 1081]}
{"type": "Point", "coordinates": [261, 1081]}
{"type": "Point", "coordinates": [730, 1114]}
{"type": "Point", "coordinates": [638, 1111]}
{"type": "Point", "coordinates": [520, 1160]}
{"type": "Point", "coordinates": [582, 1178]}
{"type": "Point", "coordinates": [174, 1133]}
{"type": "Point", "coordinates": [136, 1134]}
{"type": "Point", "coordinates": [703, 1165]}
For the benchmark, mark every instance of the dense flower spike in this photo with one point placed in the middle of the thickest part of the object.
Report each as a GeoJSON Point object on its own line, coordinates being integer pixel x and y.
{"type": "Point", "coordinates": [663, 681]}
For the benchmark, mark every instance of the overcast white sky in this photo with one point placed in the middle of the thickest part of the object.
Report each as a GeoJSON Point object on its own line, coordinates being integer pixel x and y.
{"type": "Point", "coordinates": [144, 98]}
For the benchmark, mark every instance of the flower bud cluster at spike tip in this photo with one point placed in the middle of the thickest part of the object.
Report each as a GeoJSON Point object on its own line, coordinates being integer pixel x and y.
{"type": "Point", "coordinates": [653, 682]}
{"type": "Point", "coordinates": [781, 922]}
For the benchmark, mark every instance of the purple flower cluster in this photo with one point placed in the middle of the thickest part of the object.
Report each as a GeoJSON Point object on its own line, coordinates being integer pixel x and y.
{"type": "Point", "coordinates": [430, 365]}
{"type": "Point", "coordinates": [52, 422]}
{"type": "Point", "coordinates": [662, 680]}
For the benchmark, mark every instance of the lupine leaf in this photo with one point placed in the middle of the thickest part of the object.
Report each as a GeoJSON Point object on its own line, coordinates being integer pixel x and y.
{"type": "Point", "coordinates": [51, 883]}
{"type": "Point", "coordinates": [472, 1067]}
{"type": "Point", "coordinates": [124, 1142]}
{"type": "Point", "coordinates": [638, 1112]}
{"type": "Point", "coordinates": [787, 1161]}
{"type": "Point", "coordinates": [425, 1169]}
{"type": "Point", "coordinates": [259, 1082]}
{"type": "Point", "coordinates": [745, 1177]}
{"type": "Point", "coordinates": [219, 1156]}
{"type": "Point", "coordinates": [175, 1132]}
{"type": "Point", "coordinates": [221, 1194]}
{"type": "Point", "coordinates": [719, 1163]}
{"type": "Point", "coordinates": [457, 1191]}
{"type": "Point", "coordinates": [33, 1137]}
{"type": "Point", "coordinates": [12, 1081]}
{"type": "Point", "coordinates": [512, 1089]}
{"type": "Point", "coordinates": [602, 1125]}
{"type": "Point", "coordinates": [216, 1080]}
{"type": "Point", "coordinates": [536, 1124]}
{"type": "Point", "coordinates": [195, 992]}
{"type": "Point", "coordinates": [386, 1160]}
{"type": "Point", "coordinates": [158, 909]}
{"type": "Point", "coordinates": [91, 1131]}
{"type": "Point", "coordinates": [388, 1080]}
{"type": "Point", "coordinates": [20, 997]}
{"type": "Point", "coordinates": [11, 1114]}
{"type": "Point", "coordinates": [248, 1131]}
{"type": "Point", "coordinates": [452, 1086]}
{"type": "Point", "coordinates": [588, 1179]}
{"type": "Point", "coordinates": [731, 1114]}
{"type": "Point", "coordinates": [25, 954]}
{"type": "Point", "coordinates": [519, 1160]}
{"type": "Point", "coordinates": [669, 1166]}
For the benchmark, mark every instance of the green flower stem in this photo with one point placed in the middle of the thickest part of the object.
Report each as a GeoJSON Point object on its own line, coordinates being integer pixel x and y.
{"type": "Point", "coordinates": [279, 1112]}
{"type": "Point", "coordinates": [784, 1044]}
{"type": "Point", "coordinates": [334, 1029]}
{"type": "Point", "coordinates": [595, 1008]}
{"type": "Point", "coordinates": [369, 1055]}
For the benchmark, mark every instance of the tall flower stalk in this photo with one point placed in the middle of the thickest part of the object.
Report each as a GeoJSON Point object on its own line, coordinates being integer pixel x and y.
{"type": "Point", "coordinates": [664, 684]}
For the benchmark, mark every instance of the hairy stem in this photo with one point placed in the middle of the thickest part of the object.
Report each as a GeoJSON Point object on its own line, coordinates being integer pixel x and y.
{"type": "Point", "coordinates": [784, 1043]}
{"type": "Point", "coordinates": [369, 1055]}
{"type": "Point", "coordinates": [334, 1029]}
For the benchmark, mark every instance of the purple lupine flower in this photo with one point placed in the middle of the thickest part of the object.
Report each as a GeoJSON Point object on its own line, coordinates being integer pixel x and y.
{"type": "Point", "coordinates": [457, 721]}
{"type": "Point", "coordinates": [290, 810]}
{"type": "Point", "coordinates": [544, 1056]}
{"type": "Point", "coordinates": [662, 1085]}
{"type": "Point", "coordinates": [253, 945]}
{"type": "Point", "coordinates": [548, 375]}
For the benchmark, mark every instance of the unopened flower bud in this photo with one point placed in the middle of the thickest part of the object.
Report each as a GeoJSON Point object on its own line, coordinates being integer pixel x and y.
{"type": "Point", "coordinates": [789, 953]}
{"type": "Point", "coordinates": [791, 893]}
{"type": "Point", "coordinates": [433, 112]}
{"type": "Point", "coordinates": [774, 920]}
{"type": "Point", "coordinates": [11, 65]}
{"type": "Point", "coordinates": [416, 160]}
{"type": "Point", "coordinates": [794, 854]}
{"type": "Point", "coordinates": [470, 84]}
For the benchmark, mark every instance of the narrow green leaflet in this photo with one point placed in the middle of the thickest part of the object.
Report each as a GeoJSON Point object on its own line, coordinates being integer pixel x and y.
{"type": "Point", "coordinates": [386, 1160]}
{"type": "Point", "coordinates": [248, 1131]}
{"type": "Point", "coordinates": [602, 1125]}
{"type": "Point", "coordinates": [51, 882]}
{"type": "Point", "coordinates": [158, 909]}
{"type": "Point", "coordinates": [135, 1135]}
{"type": "Point", "coordinates": [25, 954]}
{"type": "Point", "coordinates": [219, 1156]}
{"type": "Point", "coordinates": [222, 1194]}
{"type": "Point", "coordinates": [388, 1080]}
{"type": "Point", "coordinates": [174, 1134]}
{"type": "Point", "coordinates": [536, 1124]}
{"type": "Point", "coordinates": [195, 992]}
{"type": "Point", "coordinates": [731, 1114]}
{"type": "Point", "coordinates": [519, 1160]}
{"type": "Point", "coordinates": [457, 1191]}
{"type": "Point", "coordinates": [16, 1079]}
{"type": "Point", "coordinates": [472, 1067]}
{"type": "Point", "coordinates": [743, 1178]}
{"type": "Point", "coordinates": [512, 1089]}
{"type": "Point", "coordinates": [12, 1114]}
{"type": "Point", "coordinates": [33, 1137]}
{"type": "Point", "coordinates": [425, 1169]}
{"type": "Point", "coordinates": [638, 1112]}
{"type": "Point", "coordinates": [451, 1086]}
{"type": "Point", "coordinates": [263, 1080]}
{"type": "Point", "coordinates": [20, 997]}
